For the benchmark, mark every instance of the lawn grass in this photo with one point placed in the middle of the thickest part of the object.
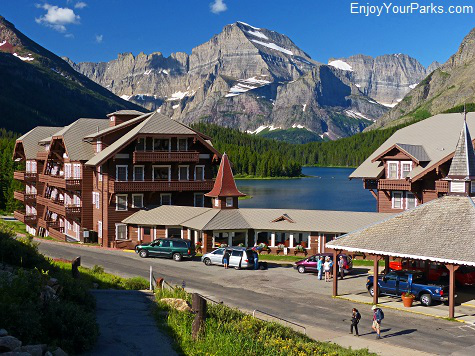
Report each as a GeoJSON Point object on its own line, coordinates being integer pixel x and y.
{"type": "Point", "coordinates": [228, 331]}
{"type": "Point", "coordinates": [281, 258]}
{"type": "Point", "coordinates": [368, 263]}
{"type": "Point", "coordinates": [17, 226]}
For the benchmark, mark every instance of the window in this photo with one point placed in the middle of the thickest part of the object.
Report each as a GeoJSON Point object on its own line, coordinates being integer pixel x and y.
{"type": "Point", "coordinates": [121, 173]}
{"type": "Point", "coordinates": [216, 202]}
{"type": "Point", "coordinates": [183, 173]}
{"type": "Point", "coordinates": [31, 166]}
{"type": "Point", "coordinates": [199, 172]}
{"type": "Point", "coordinates": [96, 199]}
{"type": "Point", "coordinates": [67, 170]}
{"type": "Point", "coordinates": [229, 202]}
{"type": "Point", "coordinates": [77, 170]}
{"type": "Point", "coordinates": [137, 200]}
{"type": "Point", "coordinates": [165, 243]}
{"type": "Point", "coordinates": [99, 229]}
{"type": "Point", "coordinates": [28, 166]}
{"type": "Point", "coordinates": [121, 202]}
{"type": "Point", "coordinates": [406, 168]}
{"type": "Point", "coordinates": [99, 173]}
{"type": "Point", "coordinates": [140, 145]}
{"type": "Point", "coordinates": [397, 200]}
{"type": "Point", "coordinates": [472, 187]}
{"type": "Point", "coordinates": [181, 244]}
{"type": "Point", "coordinates": [199, 199]}
{"type": "Point", "coordinates": [236, 253]}
{"type": "Point", "coordinates": [392, 170]}
{"type": "Point", "coordinates": [165, 199]}
{"type": "Point", "coordinates": [120, 232]}
{"type": "Point", "coordinates": [98, 146]}
{"type": "Point", "coordinates": [161, 144]}
{"type": "Point", "coordinates": [182, 144]}
{"type": "Point", "coordinates": [410, 201]}
{"type": "Point", "coordinates": [138, 173]}
{"type": "Point", "coordinates": [161, 172]}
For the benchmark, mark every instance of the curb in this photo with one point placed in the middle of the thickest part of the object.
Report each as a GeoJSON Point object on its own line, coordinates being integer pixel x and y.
{"type": "Point", "coordinates": [403, 310]}
{"type": "Point", "coordinates": [468, 305]}
{"type": "Point", "coordinates": [129, 251]}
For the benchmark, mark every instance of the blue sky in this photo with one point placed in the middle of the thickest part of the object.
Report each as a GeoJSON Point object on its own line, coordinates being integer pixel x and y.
{"type": "Point", "coordinates": [96, 30]}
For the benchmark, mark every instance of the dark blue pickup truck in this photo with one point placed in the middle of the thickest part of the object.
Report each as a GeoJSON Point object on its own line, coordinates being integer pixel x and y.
{"type": "Point", "coordinates": [398, 282]}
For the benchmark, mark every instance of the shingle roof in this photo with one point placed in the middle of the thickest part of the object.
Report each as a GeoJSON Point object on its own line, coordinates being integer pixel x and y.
{"type": "Point", "coordinates": [441, 230]}
{"type": "Point", "coordinates": [224, 185]}
{"type": "Point", "coordinates": [125, 112]}
{"type": "Point", "coordinates": [463, 163]}
{"type": "Point", "coordinates": [155, 123]}
{"type": "Point", "coordinates": [31, 138]}
{"type": "Point", "coordinates": [416, 151]}
{"type": "Point", "coordinates": [258, 219]}
{"type": "Point", "coordinates": [117, 127]}
{"type": "Point", "coordinates": [438, 135]}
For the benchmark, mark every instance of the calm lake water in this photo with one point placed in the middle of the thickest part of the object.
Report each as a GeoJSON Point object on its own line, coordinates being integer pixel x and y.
{"type": "Point", "coordinates": [327, 189]}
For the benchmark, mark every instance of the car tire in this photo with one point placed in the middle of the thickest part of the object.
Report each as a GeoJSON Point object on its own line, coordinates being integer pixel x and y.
{"type": "Point", "coordinates": [207, 262]}
{"type": "Point", "coordinates": [371, 291]}
{"type": "Point", "coordinates": [177, 257]}
{"type": "Point", "coordinates": [237, 268]}
{"type": "Point", "coordinates": [143, 253]}
{"type": "Point", "coordinates": [426, 300]}
{"type": "Point", "coordinates": [301, 269]}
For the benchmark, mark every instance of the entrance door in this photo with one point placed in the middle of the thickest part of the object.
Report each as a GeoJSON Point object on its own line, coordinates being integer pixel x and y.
{"type": "Point", "coordinates": [147, 234]}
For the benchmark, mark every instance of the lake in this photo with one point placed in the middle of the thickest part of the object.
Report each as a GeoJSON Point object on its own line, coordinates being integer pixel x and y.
{"type": "Point", "coordinates": [327, 189]}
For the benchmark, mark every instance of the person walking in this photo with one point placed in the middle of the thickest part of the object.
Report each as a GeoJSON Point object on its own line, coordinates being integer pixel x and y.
{"type": "Point", "coordinates": [341, 267]}
{"type": "Point", "coordinates": [378, 316]}
{"type": "Point", "coordinates": [320, 267]}
{"type": "Point", "coordinates": [256, 260]}
{"type": "Point", "coordinates": [326, 269]}
{"type": "Point", "coordinates": [355, 319]}
{"type": "Point", "coordinates": [226, 259]}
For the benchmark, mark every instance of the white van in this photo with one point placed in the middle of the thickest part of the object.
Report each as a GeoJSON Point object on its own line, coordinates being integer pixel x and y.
{"type": "Point", "coordinates": [239, 257]}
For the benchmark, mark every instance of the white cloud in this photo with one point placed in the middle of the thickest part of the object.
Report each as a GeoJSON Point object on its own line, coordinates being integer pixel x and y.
{"type": "Point", "coordinates": [218, 6]}
{"type": "Point", "coordinates": [57, 17]}
{"type": "Point", "coordinates": [80, 5]}
{"type": "Point", "coordinates": [99, 38]}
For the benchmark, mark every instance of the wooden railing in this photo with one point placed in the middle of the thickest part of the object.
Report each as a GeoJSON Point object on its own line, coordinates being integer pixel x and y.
{"type": "Point", "coordinates": [442, 186]}
{"type": "Point", "coordinates": [24, 218]}
{"type": "Point", "coordinates": [22, 196]}
{"type": "Point", "coordinates": [394, 184]}
{"type": "Point", "coordinates": [73, 210]}
{"type": "Point", "coordinates": [57, 232]}
{"type": "Point", "coordinates": [165, 156]}
{"type": "Point", "coordinates": [160, 186]}
{"type": "Point", "coordinates": [61, 182]}
{"type": "Point", "coordinates": [24, 176]}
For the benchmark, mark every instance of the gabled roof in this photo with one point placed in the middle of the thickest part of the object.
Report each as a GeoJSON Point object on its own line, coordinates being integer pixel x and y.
{"type": "Point", "coordinates": [117, 127]}
{"type": "Point", "coordinates": [224, 185]}
{"type": "Point", "coordinates": [463, 162]}
{"type": "Point", "coordinates": [438, 136]}
{"type": "Point", "coordinates": [31, 138]}
{"type": "Point", "coordinates": [125, 113]}
{"type": "Point", "coordinates": [415, 152]}
{"type": "Point", "coordinates": [72, 136]}
{"type": "Point", "coordinates": [156, 123]}
{"type": "Point", "coordinates": [441, 230]}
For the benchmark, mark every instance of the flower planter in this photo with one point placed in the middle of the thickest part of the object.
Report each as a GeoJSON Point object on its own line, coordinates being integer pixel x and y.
{"type": "Point", "coordinates": [263, 251]}
{"type": "Point", "coordinates": [407, 301]}
{"type": "Point", "coordinates": [304, 252]}
{"type": "Point", "coordinates": [279, 251]}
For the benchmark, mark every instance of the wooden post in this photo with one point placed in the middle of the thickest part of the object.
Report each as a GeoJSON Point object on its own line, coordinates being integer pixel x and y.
{"type": "Point", "coordinates": [75, 267]}
{"type": "Point", "coordinates": [386, 265]}
{"type": "Point", "coordinates": [335, 273]}
{"type": "Point", "coordinates": [452, 268]}
{"type": "Point", "coordinates": [375, 279]}
{"type": "Point", "coordinates": [199, 308]}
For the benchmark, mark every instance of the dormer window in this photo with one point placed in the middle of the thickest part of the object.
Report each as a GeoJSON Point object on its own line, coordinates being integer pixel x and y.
{"type": "Point", "coordinates": [392, 170]}
{"type": "Point", "coordinates": [229, 202]}
{"type": "Point", "coordinates": [406, 168]}
{"type": "Point", "coordinates": [98, 146]}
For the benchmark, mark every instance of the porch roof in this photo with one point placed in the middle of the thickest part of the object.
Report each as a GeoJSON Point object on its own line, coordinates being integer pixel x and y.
{"type": "Point", "coordinates": [441, 230]}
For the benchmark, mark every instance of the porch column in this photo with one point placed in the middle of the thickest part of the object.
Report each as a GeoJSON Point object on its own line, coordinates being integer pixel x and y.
{"type": "Point", "coordinates": [375, 279]}
{"type": "Point", "coordinates": [182, 233]}
{"type": "Point", "coordinates": [246, 239]}
{"type": "Point", "coordinates": [335, 273]}
{"type": "Point", "coordinates": [188, 236]}
{"type": "Point", "coordinates": [291, 240]}
{"type": "Point", "coordinates": [230, 238]}
{"type": "Point", "coordinates": [255, 237]}
{"type": "Point", "coordinates": [272, 239]}
{"type": "Point", "coordinates": [426, 268]}
{"type": "Point", "coordinates": [309, 239]}
{"type": "Point", "coordinates": [452, 268]}
{"type": "Point", "coordinates": [386, 265]}
{"type": "Point", "coordinates": [207, 241]}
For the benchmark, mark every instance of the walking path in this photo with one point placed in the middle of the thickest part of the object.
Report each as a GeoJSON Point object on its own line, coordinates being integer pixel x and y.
{"type": "Point", "coordinates": [127, 326]}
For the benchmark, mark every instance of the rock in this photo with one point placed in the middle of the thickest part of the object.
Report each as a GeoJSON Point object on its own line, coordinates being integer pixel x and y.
{"type": "Point", "coordinates": [34, 350]}
{"type": "Point", "coordinates": [9, 343]}
{"type": "Point", "coordinates": [3, 332]}
{"type": "Point", "coordinates": [176, 303]}
{"type": "Point", "coordinates": [59, 352]}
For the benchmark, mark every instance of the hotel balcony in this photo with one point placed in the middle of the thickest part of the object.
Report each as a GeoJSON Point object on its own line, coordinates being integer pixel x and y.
{"type": "Point", "coordinates": [370, 184]}
{"type": "Point", "coordinates": [23, 197]}
{"type": "Point", "coordinates": [160, 186]}
{"type": "Point", "coordinates": [24, 176]}
{"type": "Point", "coordinates": [28, 219]}
{"type": "Point", "coordinates": [394, 184]}
{"type": "Point", "coordinates": [442, 186]}
{"type": "Point", "coordinates": [165, 156]}
{"type": "Point", "coordinates": [61, 182]}
{"type": "Point", "coordinates": [55, 230]}
{"type": "Point", "coordinates": [58, 207]}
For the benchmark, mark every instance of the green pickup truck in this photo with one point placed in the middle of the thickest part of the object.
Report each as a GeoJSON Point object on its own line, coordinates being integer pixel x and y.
{"type": "Point", "coordinates": [167, 248]}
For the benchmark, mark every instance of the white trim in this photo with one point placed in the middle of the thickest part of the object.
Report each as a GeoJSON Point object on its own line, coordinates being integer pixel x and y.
{"type": "Point", "coordinates": [187, 172]}
{"type": "Point", "coordinates": [117, 172]}
{"type": "Point", "coordinates": [393, 199]}
{"type": "Point", "coordinates": [99, 229]}
{"type": "Point", "coordinates": [133, 203]}
{"type": "Point", "coordinates": [200, 166]}
{"type": "Point", "coordinates": [407, 200]}
{"type": "Point", "coordinates": [403, 163]}
{"type": "Point", "coordinates": [126, 232]}
{"type": "Point", "coordinates": [389, 170]}
{"type": "Point", "coordinates": [77, 173]}
{"type": "Point", "coordinates": [143, 172]}
{"type": "Point", "coordinates": [99, 173]}
{"type": "Point", "coordinates": [162, 166]}
{"type": "Point", "coordinates": [402, 255]}
{"type": "Point", "coordinates": [117, 203]}
{"type": "Point", "coordinates": [457, 186]}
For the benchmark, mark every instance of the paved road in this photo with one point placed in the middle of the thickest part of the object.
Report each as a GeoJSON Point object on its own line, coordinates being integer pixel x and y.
{"type": "Point", "coordinates": [285, 293]}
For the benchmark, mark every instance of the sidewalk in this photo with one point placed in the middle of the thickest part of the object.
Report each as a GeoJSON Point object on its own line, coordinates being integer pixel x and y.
{"type": "Point", "coordinates": [464, 313]}
{"type": "Point", "coordinates": [126, 325]}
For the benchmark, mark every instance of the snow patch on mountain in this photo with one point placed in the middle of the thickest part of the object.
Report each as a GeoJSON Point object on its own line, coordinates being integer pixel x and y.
{"type": "Point", "coordinates": [178, 95]}
{"type": "Point", "coordinates": [412, 86]}
{"type": "Point", "coordinates": [246, 24]}
{"type": "Point", "coordinates": [125, 97]}
{"type": "Point", "coordinates": [341, 65]}
{"type": "Point", "coordinates": [244, 85]}
{"type": "Point", "coordinates": [2, 43]}
{"type": "Point", "coordinates": [262, 128]}
{"type": "Point", "coordinates": [298, 126]}
{"type": "Point", "coordinates": [356, 115]}
{"type": "Point", "coordinates": [272, 45]}
{"type": "Point", "coordinates": [25, 59]}
{"type": "Point", "coordinates": [304, 107]}
{"type": "Point", "coordinates": [258, 34]}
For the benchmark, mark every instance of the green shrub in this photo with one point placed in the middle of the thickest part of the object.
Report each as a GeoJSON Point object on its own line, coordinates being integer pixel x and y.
{"type": "Point", "coordinates": [97, 269]}
{"type": "Point", "coordinates": [136, 283]}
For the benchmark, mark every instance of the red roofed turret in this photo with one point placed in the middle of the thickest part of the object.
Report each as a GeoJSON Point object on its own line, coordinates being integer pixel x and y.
{"type": "Point", "coordinates": [225, 193]}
